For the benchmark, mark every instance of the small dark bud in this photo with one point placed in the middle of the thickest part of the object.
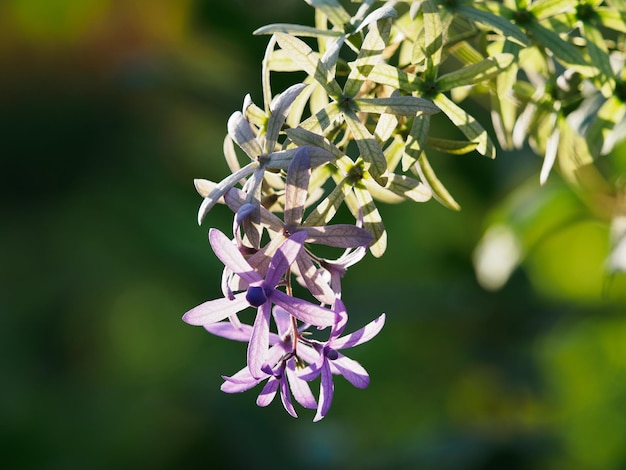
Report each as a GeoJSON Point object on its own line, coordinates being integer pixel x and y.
{"type": "Point", "coordinates": [256, 296]}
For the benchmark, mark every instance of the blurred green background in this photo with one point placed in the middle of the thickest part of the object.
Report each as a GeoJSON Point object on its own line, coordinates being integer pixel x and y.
{"type": "Point", "coordinates": [108, 110]}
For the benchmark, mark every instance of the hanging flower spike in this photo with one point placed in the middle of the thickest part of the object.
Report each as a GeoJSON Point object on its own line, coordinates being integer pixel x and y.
{"type": "Point", "coordinates": [261, 293]}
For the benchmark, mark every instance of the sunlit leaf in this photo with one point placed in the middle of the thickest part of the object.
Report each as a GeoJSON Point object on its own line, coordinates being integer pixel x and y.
{"type": "Point", "coordinates": [369, 148]}
{"type": "Point", "coordinates": [372, 221]}
{"type": "Point", "coordinates": [296, 30]}
{"type": "Point", "coordinates": [310, 62]}
{"type": "Point", "coordinates": [467, 124]}
{"type": "Point", "coordinates": [369, 55]}
{"type": "Point", "coordinates": [496, 22]}
{"type": "Point", "coordinates": [398, 105]}
{"type": "Point", "coordinates": [454, 147]}
{"type": "Point", "coordinates": [439, 191]}
{"type": "Point", "coordinates": [475, 73]}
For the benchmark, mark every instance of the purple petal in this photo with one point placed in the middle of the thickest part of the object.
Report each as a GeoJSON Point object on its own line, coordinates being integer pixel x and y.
{"type": "Point", "coordinates": [285, 396]}
{"type": "Point", "coordinates": [283, 258]}
{"type": "Point", "coordinates": [327, 389]}
{"type": "Point", "coordinates": [303, 310]}
{"type": "Point", "coordinates": [259, 341]}
{"type": "Point", "coordinates": [282, 320]}
{"type": "Point", "coordinates": [231, 257]}
{"type": "Point", "coordinates": [222, 187]}
{"type": "Point", "coordinates": [235, 198]}
{"type": "Point", "coordinates": [313, 279]}
{"type": "Point", "coordinates": [226, 329]}
{"type": "Point", "coordinates": [340, 235]}
{"type": "Point", "coordinates": [297, 187]}
{"type": "Point", "coordinates": [341, 320]}
{"type": "Point", "coordinates": [360, 336]}
{"type": "Point", "coordinates": [268, 393]}
{"type": "Point", "coordinates": [216, 310]}
{"type": "Point", "coordinates": [351, 370]}
{"type": "Point", "coordinates": [240, 382]}
{"type": "Point", "coordinates": [300, 388]}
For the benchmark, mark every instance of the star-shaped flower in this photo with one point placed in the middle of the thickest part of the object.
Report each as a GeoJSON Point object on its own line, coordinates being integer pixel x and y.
{"type": "Point", "coordinates": [330, 361]}
{"type": "Point", "coordinates": [280, 369]}
{"type": "Point", "coordinates": [261, 293]}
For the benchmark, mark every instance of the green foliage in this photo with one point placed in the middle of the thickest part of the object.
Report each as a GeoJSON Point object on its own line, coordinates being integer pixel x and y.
{"type": "Point", "coordinates": [551, 70]}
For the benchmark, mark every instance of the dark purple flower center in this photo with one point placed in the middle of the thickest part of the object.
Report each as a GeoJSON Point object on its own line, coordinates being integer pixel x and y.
{"type": "Point", "coordinates": [256, 296]}
{"type": "Point", "coordinates": [331, 353]}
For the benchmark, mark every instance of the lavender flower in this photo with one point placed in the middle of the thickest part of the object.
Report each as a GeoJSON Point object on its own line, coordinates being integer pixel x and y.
{"type": "Point", "coordinates": [330, 361]}
{"type": "Point", "coordinates": [261, 293]}
{"type": "Point", "coordinates": [280, 370]}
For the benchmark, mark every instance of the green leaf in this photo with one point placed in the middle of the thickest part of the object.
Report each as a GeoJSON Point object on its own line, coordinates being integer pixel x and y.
{"type": "Point", "coordinates": [609, 114]}
{"type": "Point", "coordinates": [323, 119]}
{"type": "Point", "coordinates": [326, 210]}
{"type": "Point", "coordinates": [333, 10]}
{"type": "Point", "coordinates": [369, 55]}
{"type": "Point", "coordinates": [310, 62]}
{"type": "Point", "coordinates": [573, 153]}
{"type": "Point", "coordinates": [397, 105]}
{"type": "Point", "coordinates": [440, 193]}
{"type": "Point", "coordinates": [467, 124]}
{"type": "Point", "coordinates": [279, 108]}
{"type": "Point", "coordinates": [599, 55]}
{"type": "Point", "coordinates": [302, 137]}
{"type": "Point", "coordinates": [296, 30]}
{"type": "Point", "coordinates": [408, 188]}
{"type": "Point", "coordinates": [372, 221]}
{"type": "Point", "coordinates": [240, 131]}
{"type": "Point", "coordinates": [370, 151]}
{"type": "Point", "coordinates": [466, 53]}
{"type": "Point", "coordinates": [386, 74]}
{"type": "Point", "coordinates": [415, 141]}
{"type": "Point", "coordinates": [384, 12]}
{"type": "Point", "coordinates": [433, 39]}
{"type": "Point", "coordinates": [612, 18]}
{"type": "Point", "coordinates": [563, 50]}
{"type": "Point", "coordinates": [475, 73]}
{"type": "Point", "coordinates": [454, 147]}
{"type": "Point", "coordinates": [282, 159]}
{"type": "Point", "coordinates": [509, 30]}
{"type": "Point", "coordinates": [546, 8]}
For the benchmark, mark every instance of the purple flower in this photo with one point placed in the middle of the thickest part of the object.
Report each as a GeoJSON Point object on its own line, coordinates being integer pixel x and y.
{"type": "Point", "coordinates": [330, 361]}
{"type": "Point", "coordinates": [280, 370]}
{"type": "Point", "coordinates": [260, 293]}
{"type": "Point", "coordinates": [296, 190]}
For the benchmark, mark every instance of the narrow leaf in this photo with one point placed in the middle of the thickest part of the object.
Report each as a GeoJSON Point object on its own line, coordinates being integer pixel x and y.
{"type": "Point", "coordinates": [433, 39]}
{"type": "Point", "coordinates": [310, 62]}
{"type": "Point", "coordinates": [370, 151]}
{"type": "Point", "coordinates": [475, 73]}
{"type": "Point", "coordinates": [397, 105]}
{"type": "Point", "coordinates": [467, 125]}
{"type": "Point", "coordinates": [240, 131]}
{"type": "Point", "coordinates": [415, 141]}
{"type": "Point", "coordinates": [296, 30]}
{"type": "Point", "coordinates": [500, 24]}
{"type": "Point", "coordinates": [372, 221]}
{"type": "Point", "coordinates": [279, 108]}
{"type": "Point", "coordinates": [369, 55]}
{"type": "Point", "coordinates": [440, 193]}
{"type": "Point", "coordinates": [454, 147]}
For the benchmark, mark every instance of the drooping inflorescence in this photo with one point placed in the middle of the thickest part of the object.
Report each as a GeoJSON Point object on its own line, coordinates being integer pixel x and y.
{"type": "Point", "coordinates": [361, 129]}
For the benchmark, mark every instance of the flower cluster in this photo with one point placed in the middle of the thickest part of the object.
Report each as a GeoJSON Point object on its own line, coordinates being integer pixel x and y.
{"type": "Point", "coordinates": [261, 278]}
{"type": "Point", "coordinates": [361, 128]}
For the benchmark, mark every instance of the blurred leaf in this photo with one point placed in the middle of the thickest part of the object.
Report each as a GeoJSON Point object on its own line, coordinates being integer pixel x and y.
{"type": "Point", "coordinates": [475, 73]}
